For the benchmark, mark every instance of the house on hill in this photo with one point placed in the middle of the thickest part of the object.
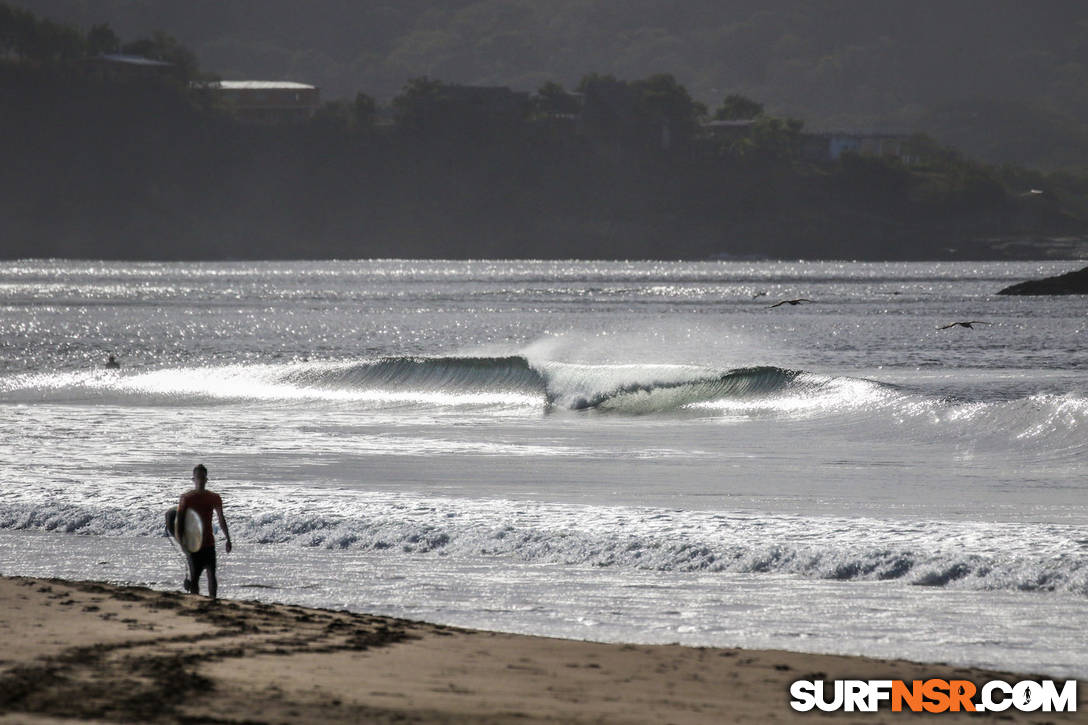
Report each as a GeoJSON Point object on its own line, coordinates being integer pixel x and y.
{"type": "Point", "coordinates": [729, 130]}
{"type": "Point", "coordinates": [267, 101]}
{"type": "Point", "coordinates": [122, 67]}
{"type": "Point", "coordinates": [831, 145]}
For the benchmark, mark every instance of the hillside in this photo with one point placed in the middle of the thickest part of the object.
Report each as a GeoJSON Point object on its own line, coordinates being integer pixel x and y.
{"type": "Point", "coordinates": [1002, 80]}
{"type": "Point", "coordinates": [141, 155]}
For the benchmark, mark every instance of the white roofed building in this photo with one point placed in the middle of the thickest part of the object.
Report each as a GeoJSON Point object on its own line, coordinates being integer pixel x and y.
{"type": "Point", "coordinates": [267, 101]}
{"type": "Point", "coordinates": [124, 67]}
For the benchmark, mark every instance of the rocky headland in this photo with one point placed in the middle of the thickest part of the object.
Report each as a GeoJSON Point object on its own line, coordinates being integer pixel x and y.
{"type": "Point", "coordinates": [1071, 283]}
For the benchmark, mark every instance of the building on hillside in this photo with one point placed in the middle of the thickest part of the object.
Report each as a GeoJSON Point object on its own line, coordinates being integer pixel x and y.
{"type": "Point", "coordinates": [120, 67]}
{"type": "Point", "coordinates": [728, 131]}
{"type": "Point", "coordinates": [555, 115]}
{"type": "Point", "coordinates": [565, 105]}
{"type": "Point", "coordinates": [831, 145]}
{"type": "Point", "coordinates": [267, 101]}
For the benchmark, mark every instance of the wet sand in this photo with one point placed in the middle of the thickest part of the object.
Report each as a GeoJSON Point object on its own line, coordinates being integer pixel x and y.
{"type": "Point", "coordinates": [103, 653]}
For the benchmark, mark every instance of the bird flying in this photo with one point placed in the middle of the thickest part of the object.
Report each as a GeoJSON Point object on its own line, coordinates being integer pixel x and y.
{"type": "Point", "coordinates": [966, 323]}
{"type": "Point", "coordinates": [788, 302]}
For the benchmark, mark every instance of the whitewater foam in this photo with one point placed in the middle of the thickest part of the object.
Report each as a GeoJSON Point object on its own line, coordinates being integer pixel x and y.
{"type": "Point", "coordinates": [629, 450]}
{"type": "Point", "coordinates": [511, 385]}
{"type": "Point", "coordinates": [968, 555]}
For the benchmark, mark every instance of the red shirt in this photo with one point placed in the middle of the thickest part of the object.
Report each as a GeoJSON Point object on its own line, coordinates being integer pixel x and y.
{"type": "Point", "coordinates": [204, 503]}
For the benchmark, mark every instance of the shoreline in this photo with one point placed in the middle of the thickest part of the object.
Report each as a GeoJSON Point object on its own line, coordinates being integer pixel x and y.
{"type": "Point", "coordinates": [111, 653]}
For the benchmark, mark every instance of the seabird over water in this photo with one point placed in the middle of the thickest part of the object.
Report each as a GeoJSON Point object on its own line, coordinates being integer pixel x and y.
{"type": "Point", "coordinates": [966, 323]}
{"type": "Point", "coordinates": [797, 301]}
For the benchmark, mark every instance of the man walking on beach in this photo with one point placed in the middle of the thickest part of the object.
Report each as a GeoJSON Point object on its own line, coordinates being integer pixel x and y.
{"type": "Point", "coordinates": [203, 502]}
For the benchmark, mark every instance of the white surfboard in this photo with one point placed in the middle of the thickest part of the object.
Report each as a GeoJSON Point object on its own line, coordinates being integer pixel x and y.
{"type": "Point", "coordinates": [192, 536]}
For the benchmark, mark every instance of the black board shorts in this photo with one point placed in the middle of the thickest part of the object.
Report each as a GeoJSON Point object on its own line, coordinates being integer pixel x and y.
{"type": "Point", "coordinates": [199, 560]}
{"type": "Point", "coordinates": [202, 559]}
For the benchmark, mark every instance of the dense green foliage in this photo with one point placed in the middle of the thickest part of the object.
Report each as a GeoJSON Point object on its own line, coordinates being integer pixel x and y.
{"type": "Point", "coordinates": [1005, 80]}
{"type": "Point", "coordinates": [43, 42]}
{"type": "Point", "coordinates": [149, 167]}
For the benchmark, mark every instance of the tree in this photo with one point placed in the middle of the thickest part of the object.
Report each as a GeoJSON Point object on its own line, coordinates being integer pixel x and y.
{"type": "Point", "coordinates": [366, 110]}
{"type": "Point", "coordinates": [101, 40]}
{"type": "Point", "coordinates": [590, 79]}
{"type": "Point", "coordinates": [663, 100]}
{"type": "Point", "coordinates": [736, 107]}
{"type": "Point", "coordinates": [335, 116]}
{"type": "Point", "coordinates": [45, 41]}
{"type": "Point", "coordinates": [552, 98]}
{"type": "Point", "coordinates": [10, 21]}
{"type": "Point", "coordinates": [663, 97]}
{"type": "Point", "coordinates": [417, 103]}
{"type": "Point", "coordinates": [347, 116]}
{"type": "Point", "coordinates": [165, 47]}
{"type": "Point", "coordinates": [777, 138]}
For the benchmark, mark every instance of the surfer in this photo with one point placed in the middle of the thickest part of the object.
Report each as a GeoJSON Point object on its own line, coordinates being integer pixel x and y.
{"type": "Point", "coordinates": [112, 363]}
{"type": "Point", "coordinates": [202, 502]}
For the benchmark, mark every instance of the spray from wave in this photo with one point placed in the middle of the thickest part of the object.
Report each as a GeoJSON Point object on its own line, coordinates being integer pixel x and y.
{"type": "Point", "coordinates": [515, 384]}
{"type": "Point", "coordinates": [434, 380]}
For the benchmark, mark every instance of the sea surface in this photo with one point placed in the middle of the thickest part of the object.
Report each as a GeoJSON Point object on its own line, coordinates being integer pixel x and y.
{"type": "Point", "coordinates": [617, 451]}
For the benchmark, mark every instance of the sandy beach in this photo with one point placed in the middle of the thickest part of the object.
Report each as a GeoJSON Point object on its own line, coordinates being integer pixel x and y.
{"type": "Point", "coordinates": [106, 653]}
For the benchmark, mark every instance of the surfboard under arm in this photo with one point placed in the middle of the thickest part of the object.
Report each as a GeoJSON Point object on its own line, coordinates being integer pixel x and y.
{"type": "Point", "coordinates": [188, 531]}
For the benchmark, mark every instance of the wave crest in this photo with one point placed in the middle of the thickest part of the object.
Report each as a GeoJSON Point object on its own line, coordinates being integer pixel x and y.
{"type": "Point", "coordinates": [517, 383]}
{"type": "Point", "coordinates": [426, 380]}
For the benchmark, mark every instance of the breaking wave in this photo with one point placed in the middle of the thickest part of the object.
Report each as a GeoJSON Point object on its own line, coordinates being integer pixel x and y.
{"type": "Point", "coordinates": [517, 383]}
{"type": "Point", "coordinates": [426, 380]}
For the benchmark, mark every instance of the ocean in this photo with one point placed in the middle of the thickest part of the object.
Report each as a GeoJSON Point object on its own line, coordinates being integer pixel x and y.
{"type": "Point", "coordinates": [618, 451]}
